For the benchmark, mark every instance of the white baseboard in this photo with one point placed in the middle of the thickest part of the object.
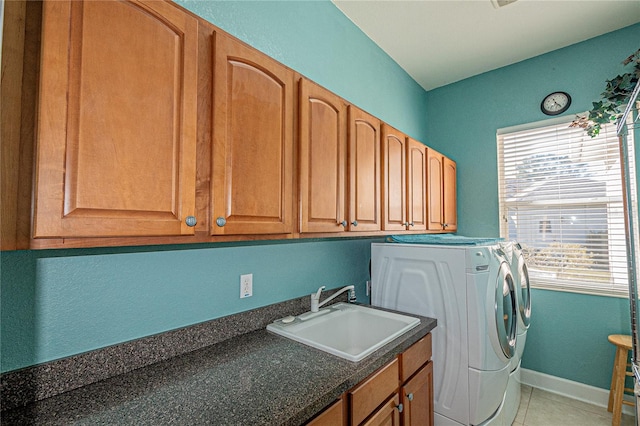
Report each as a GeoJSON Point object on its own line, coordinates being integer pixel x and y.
{"type": "Point", "coordinates": [570, 389]}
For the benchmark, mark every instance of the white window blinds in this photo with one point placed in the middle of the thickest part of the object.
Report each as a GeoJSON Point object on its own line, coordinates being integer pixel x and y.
{"type": "Point", "coordinates": [561, 198]}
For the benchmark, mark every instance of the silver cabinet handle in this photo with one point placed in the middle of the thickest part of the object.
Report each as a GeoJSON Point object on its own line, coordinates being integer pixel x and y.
{"type": "Point", "coordinates": [410, 397]}
{"type": "Point", "coordinates": [354, 223]}
{"type": "Point", "coordinates": [221, 221]}
{"type": "Point", "coordinates": [444, 225]}
{"type": "Point", "coordinates": [343, 223]}
{"type": "Point", "coordinates": [405, 224]}
{"type": "Point", "coordinates": [190, 221]}
{"type": "Point", "coordinates": [400, 407]}
{"type": "Point", "coordinates": [411, 224]}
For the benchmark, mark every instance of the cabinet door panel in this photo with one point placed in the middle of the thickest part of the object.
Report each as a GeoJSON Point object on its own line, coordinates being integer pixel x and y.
{"type": "Point", "coordinates": [364, 171]}
{"type": "Point", "coordinates": [434, 209]}
{"type": "Point", "coordinates": [253, 142]}
{"type": "Point", "coordinates": [417, 398]}
{"type": "Point", "coordinates": [417, 185]}
{"type": "Point", "coordinates": [117, 120]}
{"type": "Point", "coordinates": [322, 159]}
{"type": "Point", "coordinates": [449, 195]}
{"type": "Point", "coordinates": [393, 179]}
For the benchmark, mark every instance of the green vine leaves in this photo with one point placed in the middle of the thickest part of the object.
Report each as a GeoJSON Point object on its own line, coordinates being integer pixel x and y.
{"type": "Point", "coordinates": [614, 99]}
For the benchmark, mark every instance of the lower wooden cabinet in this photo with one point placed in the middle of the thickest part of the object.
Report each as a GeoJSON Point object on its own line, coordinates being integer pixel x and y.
{"type": "Point", "coordinates": [399, 393]}
{"type": "Point", "coordinates": [417, 398]}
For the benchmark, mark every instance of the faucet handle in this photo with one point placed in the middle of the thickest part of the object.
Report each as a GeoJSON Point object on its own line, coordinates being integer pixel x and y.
{"type": "Point", "coordinates": [352, 295]}
{"type": "Point", "coordinates": [318, 293]}
{"type": "Point", "coordinates": [315, 299]}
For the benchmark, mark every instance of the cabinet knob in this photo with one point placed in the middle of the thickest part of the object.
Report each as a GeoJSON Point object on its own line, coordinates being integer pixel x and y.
{"type": "Point", "coordinates": [405, 224]}
{"type": "Point", "coordinates": [191, 221]}
{"type": "Point", "coordinates": [444, 225]}
{"type": "Point", "coordinates": [221, 221]}
{"type": "Point", "coordinates": [354, 223]}
{"type": "Point", "coordinates": [410, 396]}
{"type": "Point", "coordinates": [343, 223]}
{"type": "Point", "coordinates": [411, 224]}
{"type": "Point", "coordinates": [400, 407]}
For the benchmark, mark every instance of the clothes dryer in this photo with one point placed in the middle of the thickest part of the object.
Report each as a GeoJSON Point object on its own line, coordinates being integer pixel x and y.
{"type": "Point", "coordinates": [470, 290]}
{"type": "Point", "coordinates": [523, 296]}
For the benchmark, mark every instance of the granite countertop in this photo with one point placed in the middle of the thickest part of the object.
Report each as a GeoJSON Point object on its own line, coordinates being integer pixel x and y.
{"type": "Point", "coordinates": [257, 378]}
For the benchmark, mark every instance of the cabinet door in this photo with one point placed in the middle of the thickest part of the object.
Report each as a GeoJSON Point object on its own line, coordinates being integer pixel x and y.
{"type": "Point", "coordinates": [394, 205]}
{"type": "Point", "coordinates": [434, 195]}
{"type": "Point", "coordinates": [417, 398]}
{"type": "Point", "coordinates": [364, 171]}
{"type": "Point", "coordinates": [372, 392]}
{"type": "Point", "coordinates": [449, 195]}
{"type": "Point", "coordinates": [387, 415]}
{"type": "Point", "coordinates": [416, 185]}
{"type": "Point", "coordinates": [116, 131]}
{"type": "Point", "coordinates": [252, 165]}
{"type": "Point", "coordinates": [322, 159]}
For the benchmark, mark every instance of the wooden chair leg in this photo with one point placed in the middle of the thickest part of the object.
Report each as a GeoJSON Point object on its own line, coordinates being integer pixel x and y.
{"type": "Point", "coordinates": [620, 370]}
{"type": "Point", "coordinates": [614, 376]}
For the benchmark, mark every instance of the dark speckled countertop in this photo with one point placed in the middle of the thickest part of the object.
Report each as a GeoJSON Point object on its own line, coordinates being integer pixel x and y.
{"type": "Point", "coordinates": [256, 378]}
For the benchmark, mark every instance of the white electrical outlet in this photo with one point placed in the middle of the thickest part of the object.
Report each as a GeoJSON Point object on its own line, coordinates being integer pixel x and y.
{"type": "Point", "coordinates": [246, 285]}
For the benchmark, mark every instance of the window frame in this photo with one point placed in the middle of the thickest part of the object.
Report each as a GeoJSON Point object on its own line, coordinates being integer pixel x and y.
{"type": "Point", "coordinates": [579, 286]}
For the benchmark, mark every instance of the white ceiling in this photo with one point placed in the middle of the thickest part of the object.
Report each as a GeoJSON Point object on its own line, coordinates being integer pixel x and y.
{"type": "Point", "coordinates": [443, 41]}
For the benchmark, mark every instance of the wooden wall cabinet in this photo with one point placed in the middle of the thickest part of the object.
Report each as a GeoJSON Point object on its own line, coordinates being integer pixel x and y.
{"type": "Point", "coordinates": [404, 187]}
{"type": "Point", "coordinates": [252, 164]}
{"type": "Point", "coordinates": [116, 129]}
{"type": "Point", "coordinates": [442, 208]}
{"type": "Point", "coordinates": [322, 156]}
{"type": "Point", "coordinates": [339, 164]}
{"type": "Point", "coordinates": [364, 171]}
{"type": "Point", "coordinates": [153, 126]}
{"type": "Point", "coordinates": [394, 178]}
{"type": "Point", "coordinates": [416, 185]}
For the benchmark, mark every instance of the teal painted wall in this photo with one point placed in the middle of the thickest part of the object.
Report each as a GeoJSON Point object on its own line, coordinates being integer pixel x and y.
{"type": "Point", "coordinates": [567, 337]}
{"type": "Point", "coordinates": [56, 303]}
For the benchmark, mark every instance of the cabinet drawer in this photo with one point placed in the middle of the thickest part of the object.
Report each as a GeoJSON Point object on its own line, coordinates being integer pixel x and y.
{"type": "Point", "coordinates": [415, 357]}
{"type": "Point", "coordinates": [368, 395]}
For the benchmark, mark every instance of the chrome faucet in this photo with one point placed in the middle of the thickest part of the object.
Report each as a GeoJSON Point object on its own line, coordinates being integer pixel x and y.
{"type": "Point", "coordinates": [315, 297]}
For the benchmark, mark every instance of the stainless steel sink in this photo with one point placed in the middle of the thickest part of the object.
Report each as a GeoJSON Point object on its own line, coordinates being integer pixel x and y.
{"type": "Point", "coordinates": [345, 330]}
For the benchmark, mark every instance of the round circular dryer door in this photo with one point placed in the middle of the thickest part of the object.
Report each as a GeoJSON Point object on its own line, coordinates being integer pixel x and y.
{"type": "Point", "coordinates": [506, 311]}
{"type": "Point", "coordinates": [524, 293]}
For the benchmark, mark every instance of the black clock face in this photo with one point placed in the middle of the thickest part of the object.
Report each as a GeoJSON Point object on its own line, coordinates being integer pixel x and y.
{"type": "Point", "coordinates": [556, 103]}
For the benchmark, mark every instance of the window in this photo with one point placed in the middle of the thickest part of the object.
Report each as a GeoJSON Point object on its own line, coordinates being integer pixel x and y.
{"type": "Point", "coordinates": [561, 198]}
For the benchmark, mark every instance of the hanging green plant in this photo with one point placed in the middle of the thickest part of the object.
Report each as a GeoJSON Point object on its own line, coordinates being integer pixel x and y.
{"type": "Point", "coordinates": [614, 99]}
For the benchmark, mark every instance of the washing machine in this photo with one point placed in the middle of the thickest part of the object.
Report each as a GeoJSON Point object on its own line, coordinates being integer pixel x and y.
{"type": "Point", "coordinates": [523, 296]}
{"type": "Point", "coordinates": [470, 290]}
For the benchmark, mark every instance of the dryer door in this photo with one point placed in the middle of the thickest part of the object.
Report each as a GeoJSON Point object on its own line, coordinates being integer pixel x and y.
{"type": "Point", "coordinates": [506, 310]}
{"type": "Point", "coordinates": [524, 293]}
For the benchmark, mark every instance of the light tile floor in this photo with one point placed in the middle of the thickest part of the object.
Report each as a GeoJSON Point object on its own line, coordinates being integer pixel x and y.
{"type": "Point", "coordinates": [542, 408]}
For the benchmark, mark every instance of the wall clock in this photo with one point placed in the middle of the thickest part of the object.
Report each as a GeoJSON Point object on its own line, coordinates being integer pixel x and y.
{"type": "Point", "coordinates": [555, 103]}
